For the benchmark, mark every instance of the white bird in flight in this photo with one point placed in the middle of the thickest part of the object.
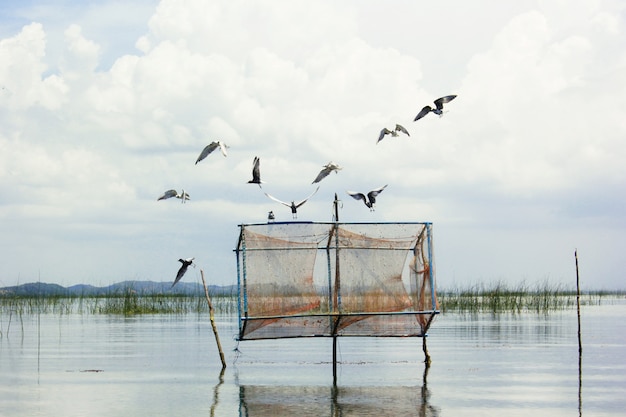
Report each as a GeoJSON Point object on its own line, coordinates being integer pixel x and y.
{"type": "Point", "coordinates": [210, 148]}
{"type": "Point", "coordinates": [370, 199]}
{"type": "Point", "coordinates": [327, 169]}
{"type": "Point", "coordinates": [183, 268]}
{"type": "Point", "coordinates": [293, 205]}
{"type": "Point", "coordinates": [184, 196]}
{"type": "Point", "coordinates": [438, 110]}
{"type": "Point", "coordinates": [384, 132]}
{"type": "Point", "coordinates": [394, 132]}
{"type": "Point", "coordinates": [400, 128]}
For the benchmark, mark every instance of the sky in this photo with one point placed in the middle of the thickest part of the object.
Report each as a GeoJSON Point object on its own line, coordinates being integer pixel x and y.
{"type": "Point", "coordinates": [106, 104]}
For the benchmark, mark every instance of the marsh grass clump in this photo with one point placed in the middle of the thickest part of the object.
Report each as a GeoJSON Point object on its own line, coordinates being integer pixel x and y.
{"type": "Point", "coordinates": [131, 303]}
{"type": "Point", "coordinates": [127, 302]}
{"type": "Point", "coordinates": [499, 298]}
{"type": "Point", "coordinates": [35, 304]}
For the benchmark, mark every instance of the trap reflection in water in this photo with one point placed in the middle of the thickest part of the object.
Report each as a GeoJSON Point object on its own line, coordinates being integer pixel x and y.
{"type": "Point", "coordinates": [273, 401]}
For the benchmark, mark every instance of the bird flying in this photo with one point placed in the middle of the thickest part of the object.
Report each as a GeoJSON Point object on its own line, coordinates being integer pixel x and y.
{"type": "Point", "coordinates": [293, 205]}
{"type": "Point", "coordinates": [210, 148]}
{"type": "Point", "coordinates": [184, 196]}
{"type": "Point", "coordinates": [183, 268]}
{"type": "Point", "coordinates": [173, 193]}
{"type": "Point", "coordinates": [400, 128]}
{"type": "Point", "coordinates": [256, 172]}
{"type": "Point", "coordinates": [384, 132]}
{"type": "Point", "coordinates": [438, 110]}
{"type": "Point", "coordinates": [394, 132]}
{"type": "Point", "coordinates": [327, 169]}
{"type": "Point", "coordinates": [370, 199]}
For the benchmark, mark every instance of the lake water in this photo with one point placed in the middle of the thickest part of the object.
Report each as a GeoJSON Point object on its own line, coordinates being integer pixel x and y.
{"type": "Point", "coordinates": [164, 365]}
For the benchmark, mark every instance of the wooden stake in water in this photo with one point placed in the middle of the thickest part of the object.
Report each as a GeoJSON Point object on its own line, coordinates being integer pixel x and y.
{"type": "Point", "coordinates": [336, 295]}
{"type": "Point", "coordinates": [217, 338]}
{"type": "Point", "coordinates": [580, 342]}
{"type": "Point", "coordinates": [425, 349]}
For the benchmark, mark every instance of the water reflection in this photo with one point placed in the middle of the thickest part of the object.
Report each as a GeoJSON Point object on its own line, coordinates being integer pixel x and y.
{"type": "Point", "coordinates": [580, 382]}
{"type": "Point", "coordinates": [160, 365]}
{"type": "Point", "coordinates": [336, 401]}
{"type": "Point", "coordinates": [216, 392]}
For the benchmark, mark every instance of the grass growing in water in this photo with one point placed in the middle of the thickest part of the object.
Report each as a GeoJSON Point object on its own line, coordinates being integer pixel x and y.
{"type": "Point", "coordinates": [499, 298]}
{"type": "Point", "coordinates": [127, 303]}
{"type": "Point", "coordinates": [494, 298]}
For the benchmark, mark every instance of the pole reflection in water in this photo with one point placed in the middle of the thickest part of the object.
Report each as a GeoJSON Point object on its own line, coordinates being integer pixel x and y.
{"type": "Point", "coordinates": [426, 409]}
{"type": "Point", "coordinates": [336, 401]}
{"type": "Point", "coordinates": [216, 392]}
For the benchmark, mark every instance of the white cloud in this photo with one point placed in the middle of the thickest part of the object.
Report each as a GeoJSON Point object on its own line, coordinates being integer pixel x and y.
{"type": "Point", "coordinates": [22, 70]}
{"type": "Point", "coordinates": [82, 54]}
{"type": "Point", "coordinates": [526, 86]}
{"type": "Point", "coordinates": [535, 133]}
{"type": "Point", "coordinates": [607, 23]}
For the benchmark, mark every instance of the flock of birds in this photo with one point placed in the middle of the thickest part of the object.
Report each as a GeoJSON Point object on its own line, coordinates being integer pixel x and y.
{"type": "Point", "coordinates": [368, 199]}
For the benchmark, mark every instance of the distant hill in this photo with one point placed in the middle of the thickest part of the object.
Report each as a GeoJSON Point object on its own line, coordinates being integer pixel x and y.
{"type": "Point", "coordinates": [139, 287]}
{"type": "Point", "coordinates": [34, 288]}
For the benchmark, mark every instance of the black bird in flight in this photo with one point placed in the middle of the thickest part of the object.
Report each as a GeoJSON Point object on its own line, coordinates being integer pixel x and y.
{"type": "Point", "coordinates": [293, 205]}
{"type": "Point", "coordinates": [438, 110]}
{"type": "Point", "coordinates": [256, 172]}
{"type": "Point", "coordinates": [183, 268]}
{"type": "Point", "coordinates": [370, 199]}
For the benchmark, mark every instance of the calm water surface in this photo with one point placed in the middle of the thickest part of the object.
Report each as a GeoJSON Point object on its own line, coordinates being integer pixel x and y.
{"type": "Point", "coordinates": [93, 365]}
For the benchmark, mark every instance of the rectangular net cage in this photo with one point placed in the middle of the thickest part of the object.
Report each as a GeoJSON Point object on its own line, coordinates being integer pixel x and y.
{"type": "Point", "coordinates": [308, 279]}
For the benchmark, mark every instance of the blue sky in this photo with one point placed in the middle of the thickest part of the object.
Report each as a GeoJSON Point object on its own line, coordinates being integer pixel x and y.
{"type": "Point", "coordinates": [105, 105]}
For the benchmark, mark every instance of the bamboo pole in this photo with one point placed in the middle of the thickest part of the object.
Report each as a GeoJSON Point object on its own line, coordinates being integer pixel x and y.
{"type": "Point", "coordinates": [337, 289]}
{"type": "Point", "coordinates": [580, 342]}
{"type": "Point", "coordinates": [425, 349]}
{"type": "Point", "coordinates": [217, 338]}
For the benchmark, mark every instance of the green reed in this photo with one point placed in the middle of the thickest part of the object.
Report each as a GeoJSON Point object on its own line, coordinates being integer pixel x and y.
{"type": "Point", "coordinates": [13, 304]}
{"type": "Point", "coordinates": [492, 298]}
{"type": "Point", "coordinates": [498, 298]}
{"type": "Point", "coordinates": [123, 303]}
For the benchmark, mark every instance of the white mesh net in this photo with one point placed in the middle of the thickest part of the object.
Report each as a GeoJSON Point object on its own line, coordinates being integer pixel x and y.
{"type": "Point", "coordinates": [326, 279]}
